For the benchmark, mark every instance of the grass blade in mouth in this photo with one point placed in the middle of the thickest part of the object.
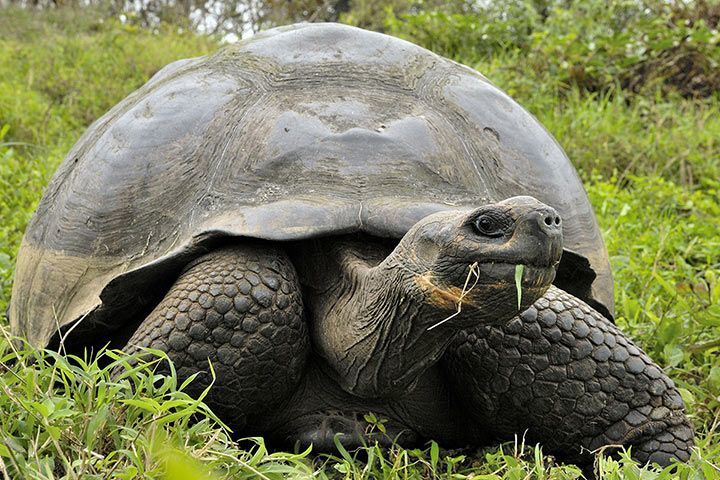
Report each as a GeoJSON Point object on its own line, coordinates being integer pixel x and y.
{"type": "Point", "coordinates": [519, 269]}
{"type": "Point", "coordinates": [474, 269]}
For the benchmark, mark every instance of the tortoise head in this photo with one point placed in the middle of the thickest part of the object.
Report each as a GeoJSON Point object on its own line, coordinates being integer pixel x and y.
{"type": "Point", "coordinates": [473, 258]}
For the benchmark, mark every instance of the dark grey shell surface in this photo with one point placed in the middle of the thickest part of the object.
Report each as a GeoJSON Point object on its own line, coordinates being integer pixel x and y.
{"type": "Point", "coordinates": [301, 131]}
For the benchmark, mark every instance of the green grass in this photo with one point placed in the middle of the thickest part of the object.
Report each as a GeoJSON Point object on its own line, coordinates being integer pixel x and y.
{"type": "Point", "coordinates": [66, 417]}
{"type": "Point", "coordinates": [651, 163]}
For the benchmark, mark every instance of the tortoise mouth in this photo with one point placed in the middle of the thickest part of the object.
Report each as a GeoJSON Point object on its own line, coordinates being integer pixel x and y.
{"type": "Point", "coordinates": [503, 274]}
{"type": "Point", "coordinates": [492, 284]}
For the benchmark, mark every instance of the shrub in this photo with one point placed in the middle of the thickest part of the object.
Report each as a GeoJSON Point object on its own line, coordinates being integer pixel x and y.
{"type": "Point", "coordinates": [596, 45]}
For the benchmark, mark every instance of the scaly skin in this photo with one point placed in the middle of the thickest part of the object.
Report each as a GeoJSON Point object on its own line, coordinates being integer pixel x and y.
{"type": "Point", "coordinates": [560, 370]}
{"type": "Point", "coordinates": [241, 309]}
{"type": "Point", "coordinates": [568, 376]}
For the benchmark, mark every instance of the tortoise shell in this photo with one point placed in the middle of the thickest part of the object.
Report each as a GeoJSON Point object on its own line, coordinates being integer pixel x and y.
{"type": "Point", "coordinates": [302, 131]}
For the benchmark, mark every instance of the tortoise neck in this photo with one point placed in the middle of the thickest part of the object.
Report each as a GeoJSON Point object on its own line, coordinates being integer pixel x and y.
{"type": "Point", "coordinates": [371, 327]}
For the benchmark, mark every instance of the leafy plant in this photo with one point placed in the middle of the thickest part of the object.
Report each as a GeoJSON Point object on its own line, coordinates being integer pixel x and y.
{"type": "Point", "coordinates": [595, 45]}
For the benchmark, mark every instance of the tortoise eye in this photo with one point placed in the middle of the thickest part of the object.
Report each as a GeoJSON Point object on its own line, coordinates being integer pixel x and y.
{"type": "Point", "coordinates": [488, 226]}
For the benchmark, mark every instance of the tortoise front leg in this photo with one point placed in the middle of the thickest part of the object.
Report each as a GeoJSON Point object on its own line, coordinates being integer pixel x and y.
{"type": "Point", "coordinates": [239, 308]}
{"type": "Point", "coordinates": [566, 375]}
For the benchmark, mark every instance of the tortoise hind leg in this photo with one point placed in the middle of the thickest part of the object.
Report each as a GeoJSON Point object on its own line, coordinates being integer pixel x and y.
{"type": "Point", "coordinates": [566, 376]}
{"type": "Point", "coordinates": [240, 308]}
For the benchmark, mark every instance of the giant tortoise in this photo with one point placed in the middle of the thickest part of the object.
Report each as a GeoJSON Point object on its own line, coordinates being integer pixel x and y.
{"type": "Point", "coordinates": [343, 222]}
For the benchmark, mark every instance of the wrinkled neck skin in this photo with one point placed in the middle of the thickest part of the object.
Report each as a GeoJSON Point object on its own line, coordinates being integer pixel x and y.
{"type": "Point", "coordinates": [371, 319]}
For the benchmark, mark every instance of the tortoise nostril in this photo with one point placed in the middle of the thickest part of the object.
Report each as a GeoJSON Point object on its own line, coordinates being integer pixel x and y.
{"type": "Point", "coordinates": [549, 221]}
